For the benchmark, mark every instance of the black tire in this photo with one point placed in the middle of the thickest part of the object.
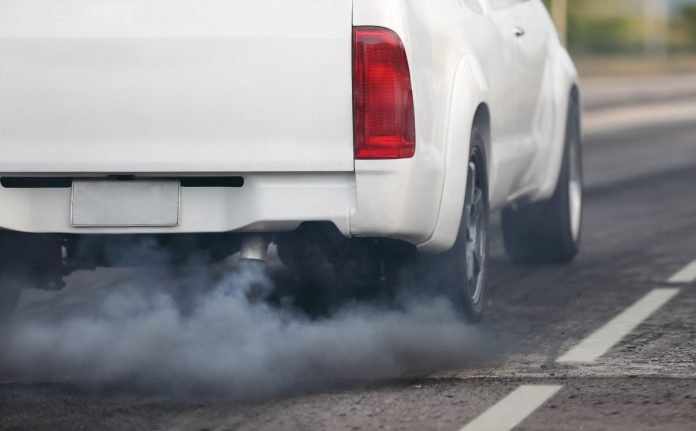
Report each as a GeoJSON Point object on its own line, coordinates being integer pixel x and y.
{"type": "Point", "coordinates": [467, 262]}
{"type": "Point", "coordinates": [457, 274]}
{"type": "Point", "coordinates": [549, 231]}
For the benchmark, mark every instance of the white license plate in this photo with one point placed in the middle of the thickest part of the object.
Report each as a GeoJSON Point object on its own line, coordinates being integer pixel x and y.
{"type": "Point", "coordinates": [125, 203]}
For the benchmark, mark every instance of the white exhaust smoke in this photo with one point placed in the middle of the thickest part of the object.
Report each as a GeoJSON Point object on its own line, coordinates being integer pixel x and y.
{"type": "Point", "coordinates": [166, 334]}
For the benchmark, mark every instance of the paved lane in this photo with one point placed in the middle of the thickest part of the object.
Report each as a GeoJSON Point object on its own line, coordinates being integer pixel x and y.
{"type": "Point", "coordinates": [638, 153]}
{"type": "Point", "coordinates": [640, 231]}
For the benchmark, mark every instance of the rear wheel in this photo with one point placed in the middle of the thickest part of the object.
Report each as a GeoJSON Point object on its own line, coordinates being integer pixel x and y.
{"type": "Point", "coordinates": [549, 231]}
{"type": "Point", "coordinates": [461, 273]}
{"type": "Point", "coordinates": [466, 264]}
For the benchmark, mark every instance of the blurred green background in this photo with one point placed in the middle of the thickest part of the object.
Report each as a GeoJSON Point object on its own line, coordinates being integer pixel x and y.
{"type": "Point", "coordinates": [629, 36]}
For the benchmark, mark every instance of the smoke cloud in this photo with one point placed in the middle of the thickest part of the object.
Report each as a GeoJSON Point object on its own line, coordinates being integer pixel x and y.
{"type": "Point", "coordinates": [197, 333]}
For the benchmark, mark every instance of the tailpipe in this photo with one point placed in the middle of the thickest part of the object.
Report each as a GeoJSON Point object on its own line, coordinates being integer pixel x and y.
{"type": "Point", "coordinates": [252, 257]}
{"type": "Point", "coordinates": [254, 248]}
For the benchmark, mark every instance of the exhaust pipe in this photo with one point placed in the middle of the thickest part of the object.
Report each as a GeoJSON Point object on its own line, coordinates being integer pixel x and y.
{"type": "Point", "coordinates": [254, 248]}
{"type": "Point", "coordinates": [252, 257]}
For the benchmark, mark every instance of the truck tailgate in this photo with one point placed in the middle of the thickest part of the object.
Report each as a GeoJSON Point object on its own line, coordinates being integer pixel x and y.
{"type": "Point", "coordinates": [175, 86]}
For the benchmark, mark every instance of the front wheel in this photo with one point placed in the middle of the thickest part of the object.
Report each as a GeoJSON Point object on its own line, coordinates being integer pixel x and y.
{"type": "Point", "coordinates": [549, 231]}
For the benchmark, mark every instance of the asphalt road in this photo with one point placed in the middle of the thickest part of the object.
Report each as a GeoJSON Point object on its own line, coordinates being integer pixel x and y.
{"type": "Point", "coordinates": [633, 332]}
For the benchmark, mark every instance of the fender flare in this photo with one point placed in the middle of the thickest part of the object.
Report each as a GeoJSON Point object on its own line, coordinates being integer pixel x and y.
{"type": "Point", "coordinates": [469, 92]}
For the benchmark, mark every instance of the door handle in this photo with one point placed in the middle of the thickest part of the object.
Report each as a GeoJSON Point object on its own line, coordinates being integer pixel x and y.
{"type": "Point", "coordinates": [518, 31]}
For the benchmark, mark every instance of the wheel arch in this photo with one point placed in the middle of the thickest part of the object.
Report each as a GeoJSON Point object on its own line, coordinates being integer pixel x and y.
{"type": "Point", "coordinates": [468, 108]}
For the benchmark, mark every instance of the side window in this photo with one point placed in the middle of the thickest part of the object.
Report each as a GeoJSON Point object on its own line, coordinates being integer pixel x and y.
{"type": "Point", "coordinates": [501, 4]}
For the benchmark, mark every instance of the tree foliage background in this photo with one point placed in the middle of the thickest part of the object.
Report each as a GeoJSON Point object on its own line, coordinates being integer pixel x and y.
{"type": "Point", "coordinates": [607, 27]}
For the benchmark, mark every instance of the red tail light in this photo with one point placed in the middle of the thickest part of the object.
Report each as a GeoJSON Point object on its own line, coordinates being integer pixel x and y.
{"type": "Point", "coordinates": [382, 97]}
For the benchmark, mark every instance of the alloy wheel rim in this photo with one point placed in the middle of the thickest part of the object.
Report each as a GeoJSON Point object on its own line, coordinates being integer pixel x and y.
{"type": "Point", "coordinates": [575, 191]}
{"type": "Point", "coordinates": [476, 236]}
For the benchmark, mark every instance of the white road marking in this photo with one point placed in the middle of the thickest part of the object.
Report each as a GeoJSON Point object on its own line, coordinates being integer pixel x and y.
{"type": "Point", "coordinates": [513, 409]}
{"type": "Point", "coordinates": [597, 344]}
{"type": "Point", "coordinates": [686, 275]}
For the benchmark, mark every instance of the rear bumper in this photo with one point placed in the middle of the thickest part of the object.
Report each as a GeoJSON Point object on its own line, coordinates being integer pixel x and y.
{"type": "Point", "coordinates": [266, 202]}
{"type": "Point", "coordinates": [394, 199]}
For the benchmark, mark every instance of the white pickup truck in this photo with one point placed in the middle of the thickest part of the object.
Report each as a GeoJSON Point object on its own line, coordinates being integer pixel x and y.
{"type": "Point", "coordinates": [367, 131]}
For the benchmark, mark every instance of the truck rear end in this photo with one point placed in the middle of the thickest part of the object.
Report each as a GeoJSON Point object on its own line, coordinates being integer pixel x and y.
{"type": "Point", "coordinates": [250, 106]}
{"type": "Point", "coordinates": [175, 117]}
{"type": "Point", "coordinates": [231, 99]}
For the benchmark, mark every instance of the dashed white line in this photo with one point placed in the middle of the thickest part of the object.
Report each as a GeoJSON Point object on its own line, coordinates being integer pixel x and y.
{"type": "Point", "coordinates": [513, 409]}
{"type": "Point", "coordinates": [597, 344]}
{"type": "Point", "coordinates": [686, 275]}
{"type": "Point", "coordinates": [517, 406]}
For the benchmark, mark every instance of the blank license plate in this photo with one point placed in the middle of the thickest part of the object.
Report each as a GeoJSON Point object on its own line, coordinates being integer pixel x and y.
{"type": "Point", "coordinates": [125, 203]}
